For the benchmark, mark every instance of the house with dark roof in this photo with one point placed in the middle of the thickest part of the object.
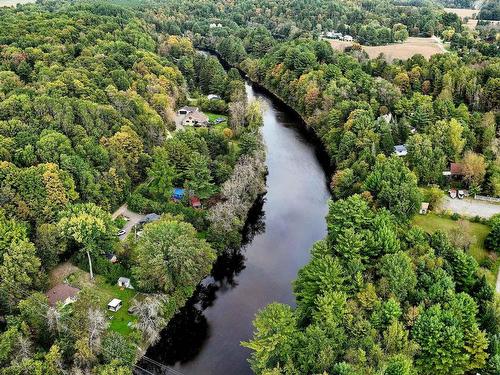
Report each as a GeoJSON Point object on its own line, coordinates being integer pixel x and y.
{"type": "Point", "coordinates": [149, 218]}
{"type": "Point", "coordinates": [62, 293]}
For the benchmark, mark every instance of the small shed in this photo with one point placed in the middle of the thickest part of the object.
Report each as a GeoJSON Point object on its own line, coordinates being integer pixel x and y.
{"type": "Point", "coordinates": [125, 283]}
{"type": "Point", "coordinates": [115, 305]}
{"type": "Point", "coordinates": [348, 38]}
{"type": "Point", "coordinates": [424, 207]}
{"type": "Point", "coordinates": [400, 150]}
{"type": "Point", "coordinates": [178, 194]}
{"type": "Point", "coordinates": [195, 202]}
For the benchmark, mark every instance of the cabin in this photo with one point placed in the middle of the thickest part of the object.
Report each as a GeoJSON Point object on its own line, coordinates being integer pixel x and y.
{"type": "Point", "coordinates": [62, 293]}
{"type": "Point", "coordinates": [115, 305]}
{"type": "Point", "coordinates": [195, 202]}
{"type": "Point", "coordinates": [178, 194]}
{"type": "Point", "coordinates": [400, 150]}
{"type": "Point", "coordinates": [124, 282]}
{"type": "Point", "coordinates": [424, 208]}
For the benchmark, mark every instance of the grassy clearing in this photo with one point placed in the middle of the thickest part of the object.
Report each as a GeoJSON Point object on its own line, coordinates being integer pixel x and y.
{"type": "Point", "coordinates": [432, 222]}
{"type": "Point", "coordinates": [120, 321]}
{"type": "Point", "coordinates": [413, 45]}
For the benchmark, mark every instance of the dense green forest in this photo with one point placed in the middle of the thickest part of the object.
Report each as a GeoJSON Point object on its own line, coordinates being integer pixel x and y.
{"type": "Point", "coordinates": [88, 99]}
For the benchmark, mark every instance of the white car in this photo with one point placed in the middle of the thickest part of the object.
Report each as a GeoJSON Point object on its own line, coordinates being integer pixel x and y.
{"type": "Point", "coordinates": [121, 232]}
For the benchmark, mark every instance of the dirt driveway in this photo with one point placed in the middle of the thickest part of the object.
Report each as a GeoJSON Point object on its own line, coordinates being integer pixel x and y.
{"type": "Point", "coordinates": [471, 207]}
{"type": "Point", "coordinates": [133, 217]}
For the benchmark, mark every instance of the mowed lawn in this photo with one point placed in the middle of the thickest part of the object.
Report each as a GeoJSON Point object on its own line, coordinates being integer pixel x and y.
{"type": "Point", "coordinates": [432, 222]}
{"type": "Point", "coordinates": [120, 321]}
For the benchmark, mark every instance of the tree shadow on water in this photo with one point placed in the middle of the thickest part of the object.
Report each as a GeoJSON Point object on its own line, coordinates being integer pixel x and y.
{"type": "Point", "coordinates": [187, 331]}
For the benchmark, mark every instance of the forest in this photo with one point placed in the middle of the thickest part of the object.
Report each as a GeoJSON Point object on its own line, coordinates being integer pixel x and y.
{"type": "Point", "coordinates": [89, 98]}
{"type": "Point", "coordinates": [367, 303]}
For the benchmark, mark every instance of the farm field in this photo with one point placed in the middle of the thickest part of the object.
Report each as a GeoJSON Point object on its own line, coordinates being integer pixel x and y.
{"type": "Point", "coordinates": [413, 45]}
{"type": "Point", "coordinates": [10, 3]}
{"type": "Point", "coordinates": [462, 13]}
{"type": "Point", "coordinates": [432, 222]}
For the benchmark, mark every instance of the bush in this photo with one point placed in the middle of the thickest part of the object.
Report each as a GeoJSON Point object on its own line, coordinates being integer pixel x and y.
{"type": "Point", "coordinates": [454, 216]}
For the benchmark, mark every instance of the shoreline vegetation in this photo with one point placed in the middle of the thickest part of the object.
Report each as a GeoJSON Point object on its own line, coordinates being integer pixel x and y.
{"type": "Point", "coordinates": [89, 93]}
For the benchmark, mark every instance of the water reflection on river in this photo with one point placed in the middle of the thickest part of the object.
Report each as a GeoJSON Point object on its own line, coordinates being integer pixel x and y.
{"type": "Point", "coordinates": [204, 338]}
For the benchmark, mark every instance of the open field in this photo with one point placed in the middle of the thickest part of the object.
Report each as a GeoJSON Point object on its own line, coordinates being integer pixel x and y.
{"type": "Point", "coordinates": [11, 3]}
{"type": "Point", "coordinates": [118, 321]}
{"type": "Point", "coordinates": [462, 13]}
{"type": "Point", "coordinates": [413, 45]}
{"type": "Point", "coordinates": [432, 222]}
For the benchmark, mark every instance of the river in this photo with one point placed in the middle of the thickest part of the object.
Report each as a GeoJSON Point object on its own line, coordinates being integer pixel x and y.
{"type": "Point", "coordinates": [204, 338]}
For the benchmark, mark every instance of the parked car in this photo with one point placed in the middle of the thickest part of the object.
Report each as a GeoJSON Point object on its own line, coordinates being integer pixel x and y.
{"type": "Point", "coordinates": [121, 232]}
{"type": "Point", "coordinates": [219, 120]}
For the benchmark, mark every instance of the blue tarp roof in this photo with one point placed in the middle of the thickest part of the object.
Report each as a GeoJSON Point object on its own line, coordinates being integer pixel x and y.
{"type": "Point", "coordinates": [178, 192]}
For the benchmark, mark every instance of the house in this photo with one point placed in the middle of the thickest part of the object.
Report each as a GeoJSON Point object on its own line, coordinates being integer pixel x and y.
{"type": "Point", "coordinates": [213, 97]}
{"type": "Point", "coordinates": [453, 193]}
{"type": "Point", "coordinates": [400, 150]}
{"type": "Point", "coordinates": [348, 38]}
{"type": "Point", "coordinates": [63, 293]}
{"type": "Point", "coordinates": [178, 194]}
{"type": "Point", "coordinates": [456, 169]}
{"type": "Point", "coordinates": [195, 202]}
{"type": "Point", "coordinates": [111, 257]}
{"type": "Point", "coordinates": [424, 208]}
{"type": "Point", "coordinates": [149, 218]}
{"type": "Point", "coordinates": [195, 119]}
{"type": "Point", "coordinates": [115, 305]}
{"type": "Point", "coordinates": [124, 282]}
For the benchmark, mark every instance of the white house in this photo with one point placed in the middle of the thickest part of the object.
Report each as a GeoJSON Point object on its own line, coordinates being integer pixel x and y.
{"type": "Point", "coordinates": [115, 305]}
{"type": "Point", "coordinates": [348, 38]}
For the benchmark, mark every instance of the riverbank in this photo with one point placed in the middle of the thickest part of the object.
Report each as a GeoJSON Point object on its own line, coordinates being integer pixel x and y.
{"type": "Point", "coordinates": [204, 337]}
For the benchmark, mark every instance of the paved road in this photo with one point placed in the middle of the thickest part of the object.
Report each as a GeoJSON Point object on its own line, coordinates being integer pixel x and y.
{"type": "Point", "coordinates": [471, 207]}
{"type": "Point", "coordinates": [134, 218]}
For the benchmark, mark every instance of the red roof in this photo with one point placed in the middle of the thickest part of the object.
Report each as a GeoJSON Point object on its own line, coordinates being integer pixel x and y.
{"type": "Point", "coordinates": [60, 293]}
{"type": "Point", "coordinates": [456, 168]}
{"type": "Point", "coordinates": [195, 201]}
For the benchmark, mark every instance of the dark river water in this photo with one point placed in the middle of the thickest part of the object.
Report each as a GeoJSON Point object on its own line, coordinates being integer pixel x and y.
{"type": "Point", "coordinates": [204, 338]}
